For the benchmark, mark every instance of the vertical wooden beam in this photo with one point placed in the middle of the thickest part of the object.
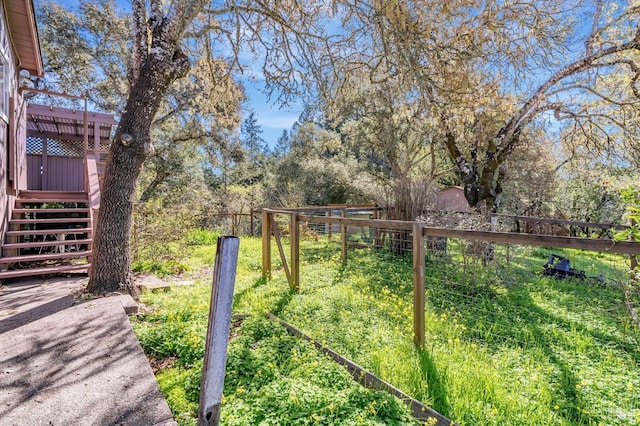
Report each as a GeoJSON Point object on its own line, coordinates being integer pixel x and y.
{"type": "Point", "coordinates": [96, 135]}
{"type": "Point", "coordinates": [251, 212]}
{"type": "Point", "coordinates": [276, 233]}
{"type": "Point", "coordinates": [343, 232]}
{"type": "Point", "coordinates": [329, 225]}
{"type": "Point", "coordinates": [418, 284]}
{"type": "Point", "coordinates": [215, 356]}
{"type": "Point", "coordinates": [266, 245]}
{"type": "Point", "coordinates": [376, 230]}
{"type": "Point", "coordinates": [85, 145]}
{"type": "Point", "coordinates": [294, 284]}
{"type": "Point", "coordinates": [44, 181]}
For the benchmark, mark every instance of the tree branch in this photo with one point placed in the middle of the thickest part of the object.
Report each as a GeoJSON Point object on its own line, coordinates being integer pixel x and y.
{"type": "Point", "coordinates": [578, 66]}
{"type": "Point", "coordinates": [140, 38]}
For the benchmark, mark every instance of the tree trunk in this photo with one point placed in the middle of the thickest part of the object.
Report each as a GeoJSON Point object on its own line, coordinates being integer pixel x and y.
{"type": "Point", "coordinates": [111, 267]}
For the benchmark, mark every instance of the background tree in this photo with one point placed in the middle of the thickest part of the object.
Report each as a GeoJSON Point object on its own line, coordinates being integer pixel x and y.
{"type": "Point", "coordinates": [489, 75]}
{"type": "Point", "coordinates": [414, 82]}
{"type": "Point", "coordinates": [316, 168]}
{"type": "Point", "coordinates": [255, 152]}
{"type": "Point", "coordinates": [87, 51]}
{"type": "Point", "coordinates": [283, 145]}
{"type": "Point", "coordinates": [390, 131]}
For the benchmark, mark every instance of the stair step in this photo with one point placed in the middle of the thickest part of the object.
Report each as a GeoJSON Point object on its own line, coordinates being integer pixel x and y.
{"type": "Point", "coordinates": [23, 201]}
{"type": "Point", "coordinates": [40, 257]}
{"type": "Point", "coordinates": [49, 231]}
{"type": "Point", "coordinates": [64, 210]}
{"type": "Point", "coordinates": [37, 244]}
{"type": "Point", "coordinates": [63, 196]}
{"type": "Point", "coordinates": [49, 220]}
{"type": "Point", "coordinates": [15, 273]}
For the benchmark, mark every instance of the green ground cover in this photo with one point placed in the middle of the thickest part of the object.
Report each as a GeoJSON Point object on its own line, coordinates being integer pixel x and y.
{"type": "Point", "coordinates": [505, 345]}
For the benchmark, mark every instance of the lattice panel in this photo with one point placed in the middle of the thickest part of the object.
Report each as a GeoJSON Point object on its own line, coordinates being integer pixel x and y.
{"type": "Point", "coordinates": [62, 148]}
{"type": "Point", "coordinates": [34, 145]}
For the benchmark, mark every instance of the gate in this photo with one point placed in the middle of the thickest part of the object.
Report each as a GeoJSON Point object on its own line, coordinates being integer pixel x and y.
{"type": "Point", "coordinates": [54, 164]}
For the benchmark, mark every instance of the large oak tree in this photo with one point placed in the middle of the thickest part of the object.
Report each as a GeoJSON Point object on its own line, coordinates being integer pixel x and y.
{"type": "Point", "coordinates": [287, 35]}
{"type": "Point", "coordinates": [489, 73]}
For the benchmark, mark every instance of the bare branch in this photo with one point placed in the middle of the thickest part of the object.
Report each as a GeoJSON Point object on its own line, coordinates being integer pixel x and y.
{"type": "Point", "coordinates": [594, 29]}
{"type": "Point", "coordinates": [572, 69]}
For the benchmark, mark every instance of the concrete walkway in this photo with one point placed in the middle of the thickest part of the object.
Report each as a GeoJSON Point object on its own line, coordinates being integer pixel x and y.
{"type": "Point", "coordinates": [64, 364]}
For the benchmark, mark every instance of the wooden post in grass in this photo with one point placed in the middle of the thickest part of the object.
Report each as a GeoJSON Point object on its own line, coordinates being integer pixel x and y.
{"type": "Point", "coordinates": [329, 225]}
{"type": "Point", "coordinates": [266, 245]}
{"type": "Point", "coordinates": [376, 230]}
{"type": "Point", "coordinates": [343, 232]}
{"type": "Point", "coordinates": [215, 355]}
{"type": "Point", "coordinates": [418, 284]}
{"type": "Point", "coordinates": [295, 252]}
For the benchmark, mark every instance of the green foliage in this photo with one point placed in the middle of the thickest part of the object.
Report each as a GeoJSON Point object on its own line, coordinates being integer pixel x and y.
{"type": "Point", "coordinates": [158, 232]}
{"type": "Point", "coordinates": [181, 388]}
{"type": "Point", "coordinates": [631, 199]}
{"type": "Point", "coordinates": [202, 237]}
{"type": "Point", "coordinates": [592, 193]}
{"type": "Point", "coordinates": [162, 268]}
{"type": "Point", "coordinates": [318, 169]}
{"type": "Point", "coordinates": [505, 346]}
{"type": "Point", "coordinates": [274, 378]}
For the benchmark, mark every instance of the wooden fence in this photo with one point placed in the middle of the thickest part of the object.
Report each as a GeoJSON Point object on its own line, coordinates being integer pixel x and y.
{"type": "Point", "coordinates": [419, 234]}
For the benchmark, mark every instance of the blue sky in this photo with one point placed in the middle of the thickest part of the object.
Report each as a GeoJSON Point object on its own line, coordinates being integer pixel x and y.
{"type": "Point", "coordinates": [271, 118]}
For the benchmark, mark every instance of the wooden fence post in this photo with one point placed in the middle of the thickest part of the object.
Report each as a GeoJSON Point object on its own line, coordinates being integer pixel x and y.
{"type": "Point", "coordinates": [343, 232]}
{"type": "Point", "coordinates": [418, 284]}
{"type": "Point", "coordinates": [266, 245]}
{"type": "Point", "coordinates": [251, 226]}
{"type": "Point", "coordinates": [329, 225]}
{"type": "Point", "coordinates": [215, 356]}
{"type": "Point", "coordinates": [295, 252]}
{"type": "Point", "coordinates": [234, 218]}
{"type": "Point", "coordinates": [376, 230]}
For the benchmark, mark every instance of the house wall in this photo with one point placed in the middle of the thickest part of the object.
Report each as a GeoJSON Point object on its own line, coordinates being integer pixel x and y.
{"type": "Point", "coordinates": [12, 166]}
{"type": "Point", "coordinates": [451, 199]}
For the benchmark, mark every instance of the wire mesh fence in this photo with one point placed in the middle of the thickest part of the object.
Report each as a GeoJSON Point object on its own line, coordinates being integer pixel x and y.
{"type": "Point", "coordinates": [550, 327]}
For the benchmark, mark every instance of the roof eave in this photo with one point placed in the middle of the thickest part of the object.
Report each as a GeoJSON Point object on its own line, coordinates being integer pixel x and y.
{"type": "Point", "coordinates": [20, 15]}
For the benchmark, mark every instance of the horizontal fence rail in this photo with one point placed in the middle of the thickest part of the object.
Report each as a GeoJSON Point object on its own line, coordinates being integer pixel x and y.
{"type": "Point", "coordinates": [466, 288]}
{"type": "Point", "coordinates": [622, 247]}
{"type": "Point", "coordinates": [297, 216]}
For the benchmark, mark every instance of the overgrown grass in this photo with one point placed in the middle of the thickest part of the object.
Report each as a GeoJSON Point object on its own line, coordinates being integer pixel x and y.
{"type": "Point", "coordinates": [505, 346]}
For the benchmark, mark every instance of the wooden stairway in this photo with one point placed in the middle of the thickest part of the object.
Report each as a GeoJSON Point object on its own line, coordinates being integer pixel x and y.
{"type": "Point", "coordinates": [49, 233]}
